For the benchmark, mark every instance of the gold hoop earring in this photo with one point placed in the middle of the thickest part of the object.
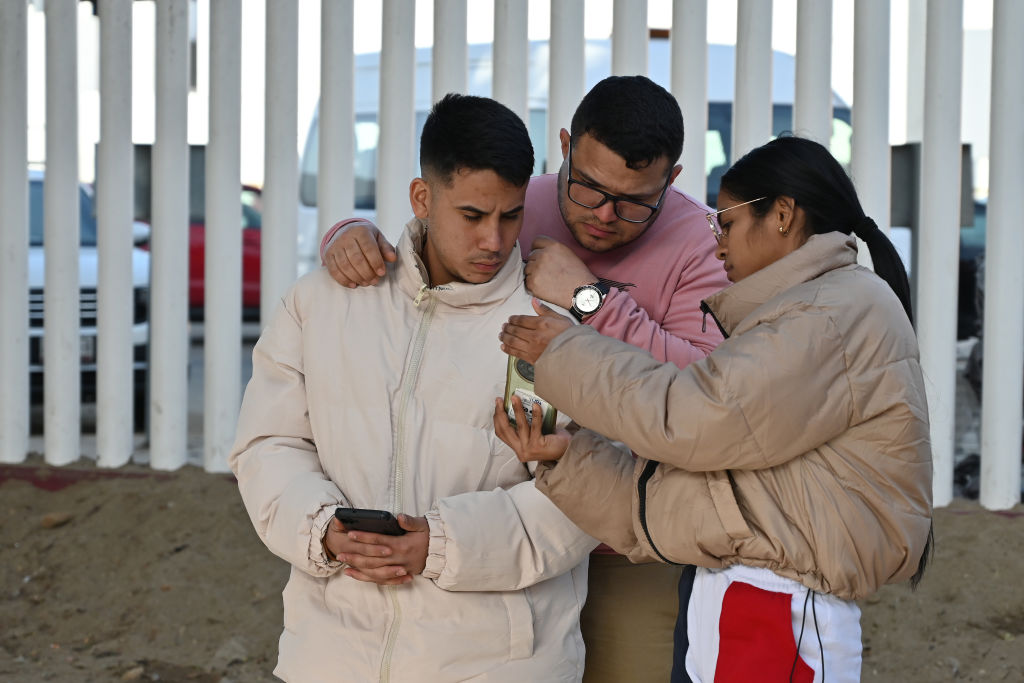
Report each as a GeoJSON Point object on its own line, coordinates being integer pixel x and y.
{"type": "Point", "coordinates": [783, 230]}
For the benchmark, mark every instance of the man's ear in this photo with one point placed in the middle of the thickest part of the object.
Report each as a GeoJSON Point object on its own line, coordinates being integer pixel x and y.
{"type": "Point", "coordinates": [675, 173]}
{"type": "Point", "coordinates": [419, 198]}
{"type": "Point", "coordinates": [565, 138]}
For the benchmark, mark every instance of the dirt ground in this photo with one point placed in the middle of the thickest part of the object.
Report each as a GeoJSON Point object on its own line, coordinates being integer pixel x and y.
{"type": "Point", "coordinates": [136, 575]}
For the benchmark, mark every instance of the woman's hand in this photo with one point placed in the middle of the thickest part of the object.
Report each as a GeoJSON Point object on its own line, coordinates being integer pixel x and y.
{"type": "Point", "coordinates": [525, 437]}
{"type": "Point", "coordinates": [526, 336]}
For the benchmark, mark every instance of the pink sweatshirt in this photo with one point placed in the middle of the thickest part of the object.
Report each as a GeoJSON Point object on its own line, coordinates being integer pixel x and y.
{"type": "Point", "coordinates": [672, 264]}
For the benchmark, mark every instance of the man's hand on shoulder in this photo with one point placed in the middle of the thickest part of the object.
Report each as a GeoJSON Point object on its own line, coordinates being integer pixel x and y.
{"type": "Point", "coordinates": [553, 272]}
{"type": "Point", "coordinates": [356, 256]}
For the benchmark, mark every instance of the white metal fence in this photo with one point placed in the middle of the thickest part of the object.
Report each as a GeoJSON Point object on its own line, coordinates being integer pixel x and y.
{"type": "Point", "coordinates": [1004, 318]}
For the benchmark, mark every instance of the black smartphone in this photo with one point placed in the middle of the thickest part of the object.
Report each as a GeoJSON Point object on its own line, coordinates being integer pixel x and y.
{"type": "Point", "coordinates": [373, 521]}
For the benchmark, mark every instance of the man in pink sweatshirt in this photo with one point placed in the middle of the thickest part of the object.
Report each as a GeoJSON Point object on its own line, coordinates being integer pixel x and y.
{"type": "Point", "coordinates": [609, 238]}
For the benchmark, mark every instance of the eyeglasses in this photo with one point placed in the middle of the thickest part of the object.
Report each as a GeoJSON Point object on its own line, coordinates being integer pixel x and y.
{"type": "Point", "coordinates": [713, 223]}
{"type": "Point", "coordinates": [629, 210]}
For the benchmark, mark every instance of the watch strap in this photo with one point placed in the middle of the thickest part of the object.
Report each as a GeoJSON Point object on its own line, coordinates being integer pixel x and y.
{"type": "Point", "coordinates": [615, 283]}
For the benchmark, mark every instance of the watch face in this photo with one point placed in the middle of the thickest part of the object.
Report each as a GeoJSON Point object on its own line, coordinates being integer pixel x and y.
{"type": "Point", "coordinates": [587, 300]}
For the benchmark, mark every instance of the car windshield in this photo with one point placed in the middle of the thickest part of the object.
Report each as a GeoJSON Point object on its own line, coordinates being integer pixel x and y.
{"type": "Point", "coordinates": [87, 214]}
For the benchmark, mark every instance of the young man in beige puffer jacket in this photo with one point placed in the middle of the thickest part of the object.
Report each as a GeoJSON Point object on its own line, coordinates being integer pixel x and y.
{"type": "Point", "coordinates": [382, 397]}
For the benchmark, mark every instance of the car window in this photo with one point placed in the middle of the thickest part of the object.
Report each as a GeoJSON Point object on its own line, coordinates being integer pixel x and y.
{"type": "Point", "coordinates": [367, 133]}
{"type": "Point", "coordinates": [974, 235]}
{"type": "Point", "coordinates": [86, 208]}
{"type": "Point", "coordinates": [251, 218]}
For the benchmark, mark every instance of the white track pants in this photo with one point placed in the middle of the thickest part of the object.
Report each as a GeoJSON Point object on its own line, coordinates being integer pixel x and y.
{"type": "Point", "coordinates": [744, 624]}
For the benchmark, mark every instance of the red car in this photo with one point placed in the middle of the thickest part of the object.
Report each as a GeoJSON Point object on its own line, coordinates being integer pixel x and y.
{"type": "Point", "coordinates": [251, 222]}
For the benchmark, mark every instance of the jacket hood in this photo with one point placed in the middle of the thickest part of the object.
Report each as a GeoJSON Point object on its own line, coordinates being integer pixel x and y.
{"type": "Point", "coordinates": [412, 277]}
{"type": "Point", "coordinates": [819, 255]}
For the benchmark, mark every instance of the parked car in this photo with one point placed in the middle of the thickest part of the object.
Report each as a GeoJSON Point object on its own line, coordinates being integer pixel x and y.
{"type": "Point", "coordinates": [87, 279]}
{"type": "Point", "coordinates": [972, 254]}
{"type": "Point", "coordinates": [251, 223]}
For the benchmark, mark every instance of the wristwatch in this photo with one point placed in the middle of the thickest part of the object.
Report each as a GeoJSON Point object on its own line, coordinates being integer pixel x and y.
{"type": "Point", "coordinates": [588, 299]}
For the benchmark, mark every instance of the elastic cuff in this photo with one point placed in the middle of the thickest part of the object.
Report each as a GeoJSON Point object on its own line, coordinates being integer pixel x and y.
{"type": "Point", "coordinates": [332, 234]}
{"type": "Point", "coordinates": [436, 546]}
{"type": "Point", "coordinates": [316, 541]}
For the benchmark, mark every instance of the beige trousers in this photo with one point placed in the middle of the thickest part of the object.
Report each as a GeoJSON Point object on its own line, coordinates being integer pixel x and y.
{"type": "Point", "coordinates": [628, 620]}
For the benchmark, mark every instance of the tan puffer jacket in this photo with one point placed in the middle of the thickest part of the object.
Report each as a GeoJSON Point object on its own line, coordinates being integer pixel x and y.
{"type": "Point", "coordinates": [382, 397]}
{"type": "Point", "coordinates": [800, 444]}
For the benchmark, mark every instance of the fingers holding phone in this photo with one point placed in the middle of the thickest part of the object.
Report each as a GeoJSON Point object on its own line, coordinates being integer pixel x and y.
{"type": "Point", "coordinates": [390, 552]}
{"type": "Point", "coordinates": [524, 434]}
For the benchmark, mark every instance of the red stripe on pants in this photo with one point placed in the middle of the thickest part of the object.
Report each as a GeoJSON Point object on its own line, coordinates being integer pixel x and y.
{"type": "Point", "coordinates": [756, 638]}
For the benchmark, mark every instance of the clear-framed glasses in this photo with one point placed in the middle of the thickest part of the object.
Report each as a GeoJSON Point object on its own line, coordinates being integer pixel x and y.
{"type": "Point", "coordinates": [629, 210]}
{"type": "Point", "coordinates": [712, 217]}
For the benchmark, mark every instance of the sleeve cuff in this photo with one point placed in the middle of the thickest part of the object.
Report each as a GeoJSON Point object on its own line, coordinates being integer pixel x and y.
{"type": "Point", "coordinates": [316, 545]}
{"type": "Point", "coordinates": [332, 234]}
{"type": "Point", "coordinates": [436, 546]}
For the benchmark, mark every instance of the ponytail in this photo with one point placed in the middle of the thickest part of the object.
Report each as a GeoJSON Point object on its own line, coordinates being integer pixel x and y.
{"type": "Point", "coordinates": [886, 260]}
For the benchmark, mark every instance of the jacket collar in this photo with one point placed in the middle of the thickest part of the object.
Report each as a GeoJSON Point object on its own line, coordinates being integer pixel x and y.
{"type": "Point", "coordinates": [412, 279]}
{"type": "Point", "coordinates": [819, 255]}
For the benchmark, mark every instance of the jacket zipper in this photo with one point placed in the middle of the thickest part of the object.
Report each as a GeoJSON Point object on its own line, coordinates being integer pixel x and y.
{"type": "Point", "coordinates": [408, 382]}
{"type": "Point", "coordinates": [389, 646]}
{"type": "Point", "coordinates": [641, 489]}
{"type": "Point", "coordinates": [706, 310]}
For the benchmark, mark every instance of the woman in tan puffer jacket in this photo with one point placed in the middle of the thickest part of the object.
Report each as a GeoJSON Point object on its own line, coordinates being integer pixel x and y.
{"type": "Point", "coordinates": [793, 465]}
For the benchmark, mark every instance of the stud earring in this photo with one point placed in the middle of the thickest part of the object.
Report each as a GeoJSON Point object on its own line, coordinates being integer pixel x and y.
{"type": "Point", "coordinates": [783, 230]}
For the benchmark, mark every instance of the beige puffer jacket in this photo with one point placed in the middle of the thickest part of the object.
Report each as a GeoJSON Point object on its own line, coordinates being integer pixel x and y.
{"type": "Point", "coordinates": [382, 397]}
{"type": "Point", "coordinates": [800, 444]}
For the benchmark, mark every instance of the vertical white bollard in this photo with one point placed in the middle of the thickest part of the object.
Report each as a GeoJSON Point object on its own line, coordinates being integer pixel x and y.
{"type": "Point", "coordinates": [278, 245]}
{"type": "Point", "coordinates": [14, 348]}
{"type": "Point", "coordinates": [222, 354]}
{"type": "Point", "coordinates": [114, 211]}
{"type": "Point", "coordinates": [62, 379]}
{"type": "Point", "coordinates": [940, 233]}
{"type": "Point", "coordinates": [870, 164]}
{"type": "Point", "coordinates": [629, 38]}
{"type": "Point", "coordinates": [335, 174]}
{"type": "Point", "coordinates": [690, 86]}
{"type": "Point", "coordinates": [449, 65]}
{"type": "Point", "coordinates": [752, 103]}
{"type": "Point", "coordinates": [566, 80]}
{"type": "Point", "coordinates": [1003, 337]}
{"type": "Point", "coordinates": [812, 100]}
{"type": "Point", "coordinates": [917, 28]}
{"type": "Point", "coordinates": [395, 163]}
{"type": "Point", "coordinates": [168, 417]}
{"type": "Point", "coordinates": [512, 58]}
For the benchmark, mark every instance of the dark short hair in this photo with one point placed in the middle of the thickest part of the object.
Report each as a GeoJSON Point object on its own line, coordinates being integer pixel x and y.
{"type": "Point", "coordinates": [465, 131]}
{"type": "Point", "coordinates": [634, 117]}
{"type": "Point", "coordinates": [791, 166]}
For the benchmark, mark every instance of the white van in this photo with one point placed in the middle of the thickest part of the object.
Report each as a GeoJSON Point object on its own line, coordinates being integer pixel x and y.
{"type": "Point", "coordinates": [721, 71]}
